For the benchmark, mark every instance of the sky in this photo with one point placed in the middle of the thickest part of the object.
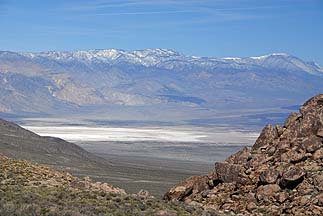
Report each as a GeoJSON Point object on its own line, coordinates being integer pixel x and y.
{"type": "Point", "coordinates": [218, 28]}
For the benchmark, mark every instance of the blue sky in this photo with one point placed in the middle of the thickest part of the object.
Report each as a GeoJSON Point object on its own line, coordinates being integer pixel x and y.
{"type": "Point", "coordinates": [219, 28]}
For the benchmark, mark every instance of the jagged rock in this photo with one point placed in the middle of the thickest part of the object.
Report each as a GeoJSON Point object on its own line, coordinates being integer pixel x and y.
{"type": "Point", "coordinates": [251, 206]}
{"type": "Point", "coordinates": [292, 118]}
{"type": "Point", "coordinates": [320, 200]}
{"type": "Point", "coordinates": [283, 144]}
{"type": "Point", "coordinates": [320, 132]}
{"type": "Point", "coordinates": [311, 167]}
{"type": "Point", "coordinates": [229, 173]}
{"type": "Point", "coordinates": [267, 136]}
{"type": "Point", "coordinates": [312, 143]}
{"type": "Point", "coordinates": [240, 157]}
{"type": "Point", "coordinates": [293, 156]}
{"type": "Point", "coordinates": [269, 176]}
{"type": "Point", "coordinates": [280, 130]}
{"type": "Point", "coordinates": [318, 154]}
{"type": "Point", "coordinates": [267, 192]}
{"type": "Point", "coordinates": [314, 104]}
{"type": "Point", "coordinates": [305, 188]}
{"type": "Point", "coordinates": [192, 185]}
{"type": "Point", "coordinates": [318, 181]}
{"type": "Point", "coordinates": [282, 174]}
{"type": "Point", "coordinates": [281, 197]}
{"type": "Point", "coordinates": [292, 177]}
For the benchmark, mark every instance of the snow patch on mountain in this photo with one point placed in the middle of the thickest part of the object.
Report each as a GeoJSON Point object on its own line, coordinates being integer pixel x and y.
{"type": "Point", "coordinates": [170, 59]}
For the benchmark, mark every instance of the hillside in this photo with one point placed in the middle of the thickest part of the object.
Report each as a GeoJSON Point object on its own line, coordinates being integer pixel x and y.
{"type": "Point", "coordinates": [281, 174]}
{"type": "Point", "coordinates": [130, 173]}
{"type": "Point", "coordinates": [31, 189]}
{"type": "Point", "coordinates": [155, 85]}
{"type": "Point", "coordinates": [16, 142]}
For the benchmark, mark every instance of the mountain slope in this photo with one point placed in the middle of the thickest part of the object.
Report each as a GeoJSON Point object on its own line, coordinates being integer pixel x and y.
{"type": "Point", "coordinates": [16, 142]}
{"type": "Point", "coordinates": [31, 189]}
{"type": "Point", "coordinates": [152, 84]}
{"type": "Point", "coordinates": [280, 175]}
{"type": "Point", "coordinates": [125, 172]}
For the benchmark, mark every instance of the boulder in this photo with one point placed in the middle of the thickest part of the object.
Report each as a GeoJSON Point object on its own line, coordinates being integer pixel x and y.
{"type": "Point", "coordinates": [267, 192]}
{"type": "Point", "coordinates": [267, 136]}
{"type": "Point", "coordinates": [320, 132]}
{"type": "Point", "coordinates": [318, 181]}
{"type": "Point", "coordinates": [318, 154]}
{"type": "Point", "coordinates": [291, 177]}
{"type": "Point", "coordinates": [313, 105]}
{"type": "Point", "coordinates": [269, 176]}
{"type": "Point", "coordinates": [280, 130]}
{"type": "Point", "coordinates": [192, 185]}
{"type": "Point", "coordinates": [312, 143]}
{"type": "Point", "coordinates": [240, 157]}
{"type": "Point", "coordinates": [292, 118]}
{"type": "Point", "coordinates": [227, 173]}
{"type": "Point", "coordinates": [293, 156]}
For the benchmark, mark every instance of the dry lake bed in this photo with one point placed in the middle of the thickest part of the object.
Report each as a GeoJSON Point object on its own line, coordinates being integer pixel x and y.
{"type": "Point", "coordinates": [153, 158]}
{"type": "Point", "coordinates": [180, 143]}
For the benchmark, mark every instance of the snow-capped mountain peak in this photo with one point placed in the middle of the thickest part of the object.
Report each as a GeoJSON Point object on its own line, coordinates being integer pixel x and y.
{"type": "Point", "coordinates": [167, 58]}
{"type": "Point", "coordinates": [158, 79]}
{"type": "Point", "coordinates": [147, 57]}
{"type": "Point", "coordinates": [270, 55]}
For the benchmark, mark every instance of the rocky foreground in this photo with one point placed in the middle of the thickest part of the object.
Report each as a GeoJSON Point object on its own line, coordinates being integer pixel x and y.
{"type": "Point", "coordinates": [282, 174]}
{"type": "Point", "coordinates": [30, 189]}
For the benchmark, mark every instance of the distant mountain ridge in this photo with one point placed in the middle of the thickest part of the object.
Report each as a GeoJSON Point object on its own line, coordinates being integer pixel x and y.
{"type": "Point", "coordinates": [165, 58]}
{"type": "Point", "coordinates": [151, 84]}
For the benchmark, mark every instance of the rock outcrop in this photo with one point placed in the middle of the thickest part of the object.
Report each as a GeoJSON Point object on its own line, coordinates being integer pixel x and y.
{"type": "Point", "coordinates": [281, 174]}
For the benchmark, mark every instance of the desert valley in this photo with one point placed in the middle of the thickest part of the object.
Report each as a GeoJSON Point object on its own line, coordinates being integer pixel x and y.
{"type": "Point", "coordinates": [161, 108]}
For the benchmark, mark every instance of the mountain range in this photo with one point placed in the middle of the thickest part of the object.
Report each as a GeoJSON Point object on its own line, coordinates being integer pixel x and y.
{"type": "Point", "coordinates": [154, 85]}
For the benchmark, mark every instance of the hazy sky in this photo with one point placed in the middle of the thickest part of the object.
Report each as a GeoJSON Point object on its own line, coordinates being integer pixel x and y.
{"type": "Point", "coordinates": [219, 28]}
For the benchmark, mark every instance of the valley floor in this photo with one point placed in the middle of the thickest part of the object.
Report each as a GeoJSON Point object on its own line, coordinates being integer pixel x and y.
{"type": "Point", "coordinates": [153, 159]}
{"type": "Point", "coordinates": [136, 173]}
